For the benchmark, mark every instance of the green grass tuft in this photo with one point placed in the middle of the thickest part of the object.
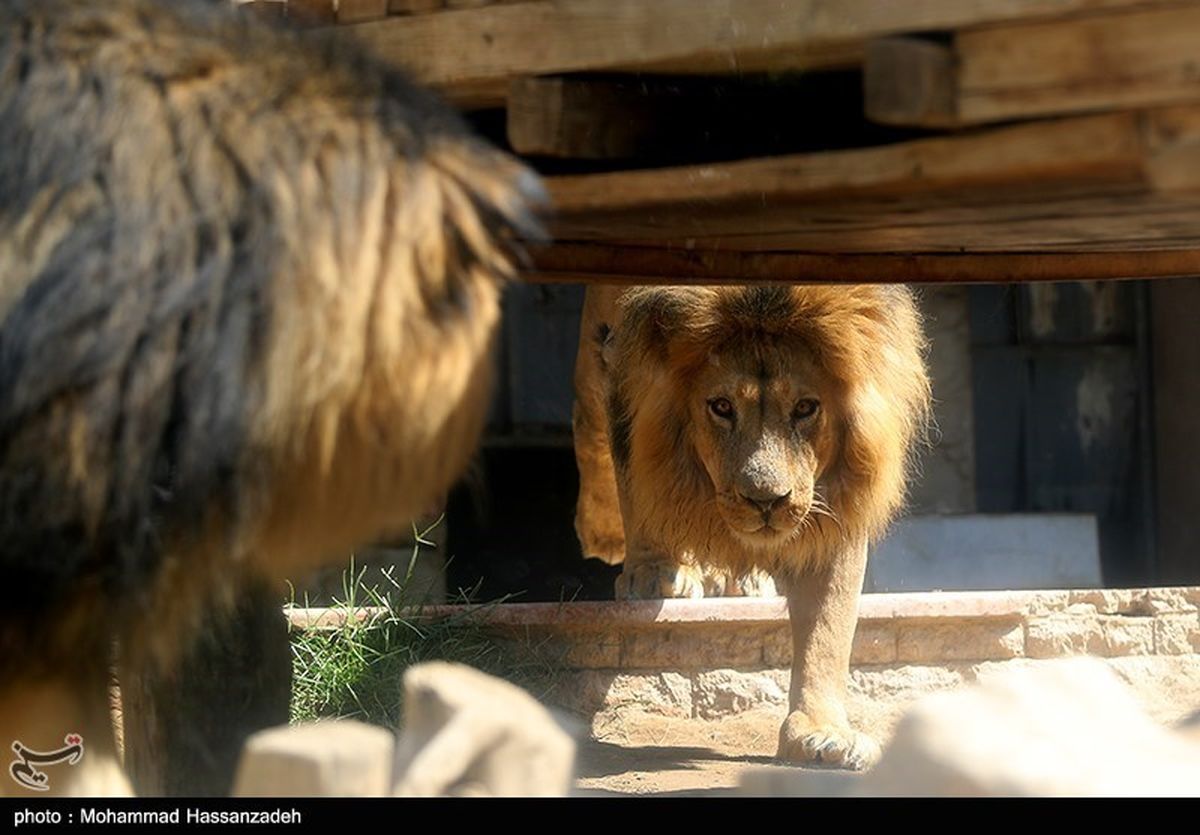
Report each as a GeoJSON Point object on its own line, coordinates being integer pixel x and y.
{"type": "Point", "coordinates": [354, 671]}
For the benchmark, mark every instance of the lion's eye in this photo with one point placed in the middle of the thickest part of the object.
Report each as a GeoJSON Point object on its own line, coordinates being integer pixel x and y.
{"type": "Point", "coordinates": [806, 409]}
{"type": "Point", "coordinates": [721, 407]}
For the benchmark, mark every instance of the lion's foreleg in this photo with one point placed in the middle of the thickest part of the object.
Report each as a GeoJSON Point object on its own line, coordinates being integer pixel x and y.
{"type": "Point", "coordinates": [653, 573]}
{"type": "Point", "coordinates": [823, 610]}
{"type": "Point", "coordinates": [58, 735]}
{"type": "Point", "coordinates": [186, 720]}
{"type": "Point", "coordinates": [598, 512]}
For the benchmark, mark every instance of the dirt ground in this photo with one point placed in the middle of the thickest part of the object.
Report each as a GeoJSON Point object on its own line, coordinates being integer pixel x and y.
{"type": "Point", "coordinates": [645, 754]}
{"type": "Point", "coordinates": [657, 755]}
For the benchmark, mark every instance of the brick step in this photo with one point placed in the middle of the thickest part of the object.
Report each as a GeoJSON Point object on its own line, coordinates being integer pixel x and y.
{"type": "Point", "coordinates": [712, 659]}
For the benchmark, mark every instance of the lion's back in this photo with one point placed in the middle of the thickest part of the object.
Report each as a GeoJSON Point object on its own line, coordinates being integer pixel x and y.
{"type": "Point", "coordinates": [226, 251]}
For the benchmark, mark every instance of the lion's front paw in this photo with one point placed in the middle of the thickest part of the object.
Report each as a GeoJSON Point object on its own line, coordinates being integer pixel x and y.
{"type": "Point", "coordinates": [600, 535]}
{"type": "Point", "coordinates": [719, 582]}
{"type": "Point", "coordinates": [754, 583]}
{"type": "Point", "coordinates": [801, 740]}
{"type": "Point", "coordinates": [610, 549]}
{"type": "Point", "coordinates": [659, 579]}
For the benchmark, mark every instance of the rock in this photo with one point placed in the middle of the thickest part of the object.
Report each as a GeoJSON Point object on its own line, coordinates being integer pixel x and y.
{"type": "Point", "coordinates": [726, 692]}
{"type": "Point", "coordinates": [961, 642]}
{"type": "Point", "coordinates": [1062, 728]}
{"type": "Point", "coordinates": [341, 758]}
{"type": "Point", "coordinates": [467, 733]}
{"type": "Point", "coordinates": [1190, 727]}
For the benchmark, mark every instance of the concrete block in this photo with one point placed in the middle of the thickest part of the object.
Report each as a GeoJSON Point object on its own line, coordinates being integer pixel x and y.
{"type": "Point", "coordinates": [976, 552]}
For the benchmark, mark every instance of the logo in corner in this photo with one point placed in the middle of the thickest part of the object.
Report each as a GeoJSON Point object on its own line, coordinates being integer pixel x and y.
{"type": "Point", "coordinates": [24, 768]}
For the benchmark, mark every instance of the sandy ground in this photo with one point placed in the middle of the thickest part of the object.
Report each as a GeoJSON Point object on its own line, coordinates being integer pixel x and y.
{"type": "Point", "coordinates": [644, 754]}
{"type": "Point", "coordinates": [655, 755]}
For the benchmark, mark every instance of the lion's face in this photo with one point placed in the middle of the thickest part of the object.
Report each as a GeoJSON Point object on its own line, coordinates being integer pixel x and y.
{"type": "Point", "coordinates": [762, 424]}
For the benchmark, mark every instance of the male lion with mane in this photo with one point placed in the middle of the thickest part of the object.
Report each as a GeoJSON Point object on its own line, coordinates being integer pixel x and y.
{"type": "Point", "coordinates": [727, 432]}
{"type": "Point", "coordinates": [249, 287]}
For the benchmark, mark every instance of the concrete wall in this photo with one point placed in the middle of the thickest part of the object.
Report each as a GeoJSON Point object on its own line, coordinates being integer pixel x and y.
{"type": "Point", "coordinates": [1175, 309]}
{"type": "Point", "coordinates": [946, 481]}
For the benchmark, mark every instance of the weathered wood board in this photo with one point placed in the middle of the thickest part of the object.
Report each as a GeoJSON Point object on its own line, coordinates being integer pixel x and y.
{"type": "Point", "coordinates": [1107, 196]}
{"type": "Point", "coordinates": [1114, 61]}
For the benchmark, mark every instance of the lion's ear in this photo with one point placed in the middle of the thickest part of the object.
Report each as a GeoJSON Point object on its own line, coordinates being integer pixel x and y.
{"type": "Point", "coordinates": [652, 319]}
{"type": "Point", "coordinates": [603, 346]}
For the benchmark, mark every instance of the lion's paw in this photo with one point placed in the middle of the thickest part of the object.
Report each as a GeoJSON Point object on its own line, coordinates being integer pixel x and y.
{"type": "Point", "coordinates": [803, 741]}
{"type": "Point", "coordinates": [659, 579]}
{"type": "Point", "coordinates": [754, 584]}
{"type": "Point", "coordinates": [719, 582]}
{"type": "Point", "coordinates": [610, 549]}
{"type": "Point", "coordinates": [600, 535]}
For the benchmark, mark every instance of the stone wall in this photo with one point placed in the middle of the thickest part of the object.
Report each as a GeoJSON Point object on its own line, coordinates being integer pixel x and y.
{"type": "Point", "coordinates": [710, 659]}
{"type": "Point", "coordinates": [713, 659]}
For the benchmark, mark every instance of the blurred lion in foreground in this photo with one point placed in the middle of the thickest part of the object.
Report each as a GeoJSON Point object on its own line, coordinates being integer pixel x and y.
{"type": "Point", "coordinates": [248, 286]}
{"type": "Point", "coordinates": [723, 433]}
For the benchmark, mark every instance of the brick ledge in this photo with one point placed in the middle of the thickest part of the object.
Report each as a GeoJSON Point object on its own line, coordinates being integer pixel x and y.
{"type": "Point", "coordinates": [916, 606]}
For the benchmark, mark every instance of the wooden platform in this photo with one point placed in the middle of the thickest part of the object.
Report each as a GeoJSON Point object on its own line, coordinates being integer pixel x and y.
{"type": "Point", "coordinates": [1029, 139]}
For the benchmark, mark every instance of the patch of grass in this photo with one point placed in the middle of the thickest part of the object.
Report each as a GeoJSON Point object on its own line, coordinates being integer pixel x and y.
{"type": "Point", "coordinates": [354, 671]}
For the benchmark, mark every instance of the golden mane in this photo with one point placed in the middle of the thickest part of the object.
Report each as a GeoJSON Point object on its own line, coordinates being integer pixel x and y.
{"type": "Point", "coordinates": [868, 339]}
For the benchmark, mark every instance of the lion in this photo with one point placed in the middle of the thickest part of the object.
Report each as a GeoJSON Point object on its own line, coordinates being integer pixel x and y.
{"type": "Point", "coordinates": [249, 290]}
{"type": "Point", "coordinates": [726, 431]}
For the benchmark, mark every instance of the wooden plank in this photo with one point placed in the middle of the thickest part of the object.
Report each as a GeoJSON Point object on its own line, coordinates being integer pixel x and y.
{"type": "Point", "coordinates": [678, 119]}
{"type": "Point", "coordinates": [604, 264]}
{"type": "Point", "coordinates": [565, 117]}
{"type": "Point", "coordinates": [401, 7]}
{"type": "Point", "coordinates": [1125, 223]}
{"type": "Point", "coordinates": [311, 12]}
{"type": "Point", "coordinates": [1115, 154]}
{"type": "Point", "coordinates": [357, 11]}
{"type": "Point", "coordinates": [1107, 196]}
{"type": "Point", "coordinates": [1172, 136]}
{"type": "Point", "coordinates": [498, 42]}
{"type": "Point", "coordinates": [270, 9]}
{"type": "Point", "coordinates": [578, 117]}
{"type": "Point", "coordinates": [727, 221]}
{"type": "Point", "coordinates": [1106, 149]}
{"type": "Point", "coordinates": [911, 81]}
{"type": "Point", "coordinates": [1107, 62]}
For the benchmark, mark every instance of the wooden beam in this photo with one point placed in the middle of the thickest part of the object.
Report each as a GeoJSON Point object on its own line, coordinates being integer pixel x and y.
{"type": "Point", "coordinates": [270, 9]}
{"type": "Point", "coordinates": [603, 264]}
{"type": "Point", "coordinates": [357, 11]}
{"type": "Point", "coordinates": [1108, 149]}
{"type": "Point", "coordinates": [498, 42]}
{"type": "Point", "coordinates": [1107, 196]}
{"type": "Point", "coordinates": [1125, 60]}
{"type": "Point", "coordinates": [678, 119]}
{"type": "Point", "coordinates": [1082, 224]}
{"type": "Point", "coordinates": [911, 81]}
{"type": "Point", "coordinates": [573, 118]}
{"type": "Point", "coordinates": [1156, 151]}
{"type": "Point", "coordinates": [400, 7]}
{"type": "Point", "coordinates": [311, 12]}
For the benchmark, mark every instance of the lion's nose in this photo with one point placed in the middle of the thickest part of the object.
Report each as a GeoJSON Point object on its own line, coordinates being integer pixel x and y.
{"type": "Point", "coordinates": [764, 500]}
